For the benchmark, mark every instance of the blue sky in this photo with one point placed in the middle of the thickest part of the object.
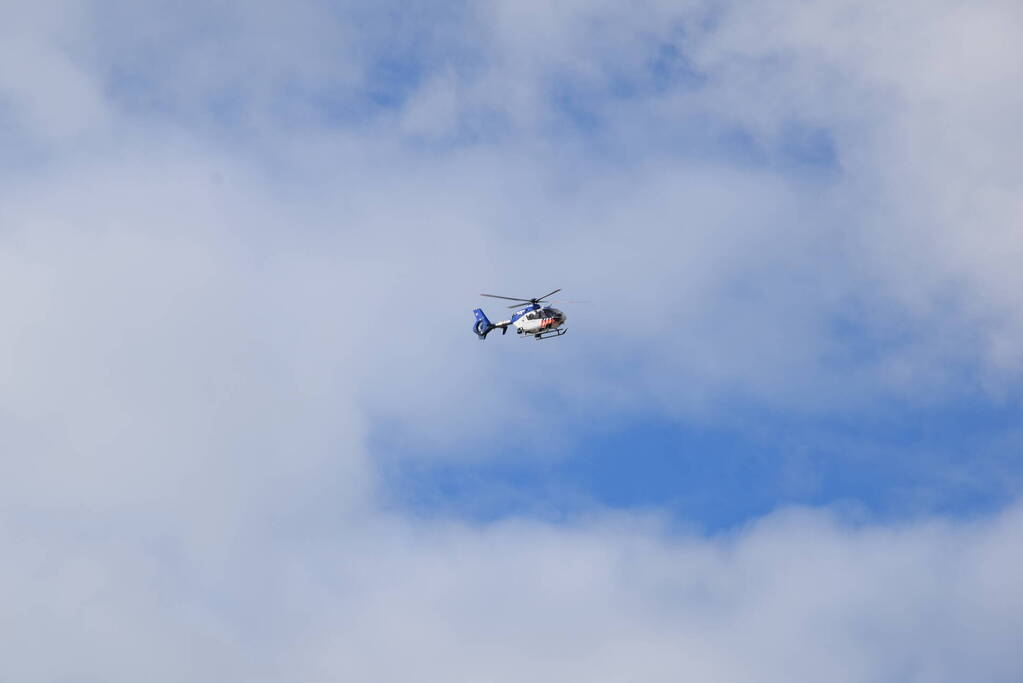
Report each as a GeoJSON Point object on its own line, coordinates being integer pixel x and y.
{"type": "Point", "coordinates": [246, 432]}
{"type": "Point", "coordinates": [954, 460]}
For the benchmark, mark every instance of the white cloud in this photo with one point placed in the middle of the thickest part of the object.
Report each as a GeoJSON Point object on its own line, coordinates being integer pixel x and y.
{"type": "Point", "coordinates": [228, 265]}
{"type": "Point", "coordinates": [738, 272]}
{"type": "Point", "coordinates": [798, 595]}
{"type": "Point", "coordinates": [44, 91]}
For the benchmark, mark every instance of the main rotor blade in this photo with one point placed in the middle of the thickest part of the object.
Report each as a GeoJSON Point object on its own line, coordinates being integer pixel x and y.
{"type": "Point", "coordinates": [546, 295]}
{"type": "Point", "coordinates": [509, 298]}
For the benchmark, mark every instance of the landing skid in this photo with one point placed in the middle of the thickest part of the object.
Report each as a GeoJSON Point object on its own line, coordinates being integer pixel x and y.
{"type": "Point", "coordinates": [549, 333]}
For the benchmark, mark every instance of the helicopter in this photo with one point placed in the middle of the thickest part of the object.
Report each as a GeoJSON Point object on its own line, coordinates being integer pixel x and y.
{"type": "Point", "coordinates": [532, 317]}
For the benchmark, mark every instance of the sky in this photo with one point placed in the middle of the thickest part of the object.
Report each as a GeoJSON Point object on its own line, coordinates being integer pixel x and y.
{"type": "Point", "coordinates": [247, 433]}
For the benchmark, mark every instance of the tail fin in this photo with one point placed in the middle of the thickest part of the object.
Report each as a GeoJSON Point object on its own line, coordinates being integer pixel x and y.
{"type": "Point", "coordinates": [483, 325]}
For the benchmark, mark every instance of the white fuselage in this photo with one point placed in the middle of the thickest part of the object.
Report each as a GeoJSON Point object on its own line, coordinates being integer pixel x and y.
{"type": "Point", "coordinates": [539, 321]}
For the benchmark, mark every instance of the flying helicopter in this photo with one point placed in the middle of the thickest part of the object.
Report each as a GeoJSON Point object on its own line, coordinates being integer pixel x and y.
{"type": "Point", "coordinates": [532, 317]}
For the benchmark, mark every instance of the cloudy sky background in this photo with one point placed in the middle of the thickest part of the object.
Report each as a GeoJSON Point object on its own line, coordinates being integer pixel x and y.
{"type": "Point", "coordinates": [247, 434]}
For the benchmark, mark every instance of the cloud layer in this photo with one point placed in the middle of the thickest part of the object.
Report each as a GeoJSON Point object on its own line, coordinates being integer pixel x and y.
{"type": "Point", "coordinates": [233, 243]}
{"type": "Point", "coordinates": [798, 595]}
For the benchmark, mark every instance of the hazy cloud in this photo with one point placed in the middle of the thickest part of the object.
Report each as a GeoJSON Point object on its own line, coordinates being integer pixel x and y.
{"type": "Point", "coordinates": [236, 241]}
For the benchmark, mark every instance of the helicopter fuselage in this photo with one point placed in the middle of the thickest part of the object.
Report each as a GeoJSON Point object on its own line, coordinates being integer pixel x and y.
{"type": "Point", "coordinates": [537, 320]}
